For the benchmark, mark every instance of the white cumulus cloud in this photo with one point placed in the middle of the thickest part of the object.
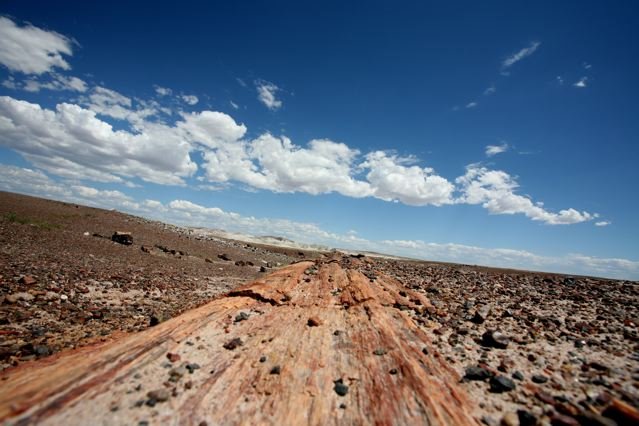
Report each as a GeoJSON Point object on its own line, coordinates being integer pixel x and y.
{"type": "Point", "coordinates": [31, 50]}
{"type": "Point", "coordinates": [211, 128]}
{"type": "Point", "coordinates": [603, 223]}
{"type": "Point", "coordinates": [73, 142]}
{"type": "Point", "coordinates": [495, 191]}
{"type": "Point", "coordinates": [395, 178]}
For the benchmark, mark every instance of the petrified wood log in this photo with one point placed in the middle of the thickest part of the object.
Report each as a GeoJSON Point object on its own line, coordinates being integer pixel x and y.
{"type": "Point", "coordinates": [313, 343]}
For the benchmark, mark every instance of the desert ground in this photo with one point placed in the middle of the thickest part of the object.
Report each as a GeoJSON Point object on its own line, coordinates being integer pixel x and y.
{"type": "Point", "coordinates": [468, 344]}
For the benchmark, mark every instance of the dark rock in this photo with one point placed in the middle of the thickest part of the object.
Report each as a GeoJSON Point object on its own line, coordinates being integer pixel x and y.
{"type": "Point", "coordinates": [538, 378]}
{"type": "Point", "coordinates": [598, 366]}
{"type": "Point", "coordinates": [39, 332]}
{"type": "Point", "coordinates": [518, 375]}
{"type": "Point", "coordinates": [563, 420]}
{"type": "Point", "coordinates": [41, 350]}
{"type": "Point", "coordinates": [276, 370]}
{"type": "Point", "coordinates": [569, 281]}
{"type": "Point", "coordinates": [500, 384]}
{"type": "Point", "coordinates": [495, 339]}
{"type": "Point", "coordinates": [263, 269]}
{"type": "Point", "coordinates": [393, 371]}
{"type": "Point", "coordinates": [379, 351]}
{"type": "Point", "coordinates": [340, 388]}
{"type": "Point", "coordinates": [313, 322]}
{"type": "Point", "coordinates": [122, 238]}
{"type": "Point", "coordinates": [159, 395]}
{"type": "Point", "coordinates": [242, 316]}
{"type": "Point", "coordinates": [592, 419]}
{"type": "Point", "coordinates": [224, 256]}
{"type": "Point", "coordinates": [526, 418]}
{"type": "Point", "coordinates": [481, 314]}
{"type": "Point", "coordinates": [477, 373]}
{"type": "Point", "coordinates": [232, 344]}
{"type": "Point", "coordinates": [192, 367]}
{"type": "Point", "coordinates": [262, 358]}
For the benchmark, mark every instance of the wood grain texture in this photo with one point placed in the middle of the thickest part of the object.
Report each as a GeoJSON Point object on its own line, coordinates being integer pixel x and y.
{"type": "Point", "coordinates": [362, 331]}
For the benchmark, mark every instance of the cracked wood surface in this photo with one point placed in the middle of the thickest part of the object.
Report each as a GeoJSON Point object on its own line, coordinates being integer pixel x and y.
{"type": "Point", "coordinates": [361, 332]}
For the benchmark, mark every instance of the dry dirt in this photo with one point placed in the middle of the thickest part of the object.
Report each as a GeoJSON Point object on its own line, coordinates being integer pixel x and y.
{"type": "Point", "coordinates": [528, 348]}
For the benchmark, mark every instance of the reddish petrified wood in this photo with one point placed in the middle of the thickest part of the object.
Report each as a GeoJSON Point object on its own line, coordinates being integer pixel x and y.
{"type": "Point", "coordinates": [362, 336]}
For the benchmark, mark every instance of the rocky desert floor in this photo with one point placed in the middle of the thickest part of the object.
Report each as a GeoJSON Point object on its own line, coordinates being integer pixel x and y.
{"type": "Point", "coordinates": [527, 347]}
{"type": "Point", "coordinates": [64, 283]}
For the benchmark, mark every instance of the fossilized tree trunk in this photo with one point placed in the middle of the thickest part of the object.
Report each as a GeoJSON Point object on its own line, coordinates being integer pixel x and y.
{"type": "Point", "coordinates": [319, 323]}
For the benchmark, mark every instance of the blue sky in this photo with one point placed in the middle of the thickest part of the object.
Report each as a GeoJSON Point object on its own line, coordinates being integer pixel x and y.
{"type": "Point", "coordinates": [504, 134]}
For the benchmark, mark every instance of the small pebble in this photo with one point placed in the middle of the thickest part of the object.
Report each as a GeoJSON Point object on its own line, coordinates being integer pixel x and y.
{"type": "Point", "coordinates": [313, 322]}
{"type": "Point", "coordinates": [159, 395]}
{"type": "Point", "coordinates": [340, 388]}
{"type": "Point", "coordinates": [500, 384]}
{"type": "Point", "coordinates": [477, 373]}
{"type": "Point", "coordinates": [173, 357]}
{"type": "Point", "coordinates": [510, 419]}
{"type": "Point", "coordinates": [518, 375]}
{"type": "Point", "coordinates": [232, 344]}
{"type": "Point", "coordinates": [538, 378]}
{"type": "Point", "coordinates": [242, 316]}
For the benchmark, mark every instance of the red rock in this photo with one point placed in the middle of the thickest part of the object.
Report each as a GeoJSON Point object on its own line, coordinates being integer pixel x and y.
{"type": "Point", "coordinates": [622, 412]}
{"type": "Point", "coordinates": [173, 357]}
{"type": "Point", "coordinates": [562, 420]}
{"type": "Point", "coordinates": [314, 322]}
{"type": "Point", "coordinates": [545, 397]}
{"type": "Point", "coordinates": [27, 280]}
